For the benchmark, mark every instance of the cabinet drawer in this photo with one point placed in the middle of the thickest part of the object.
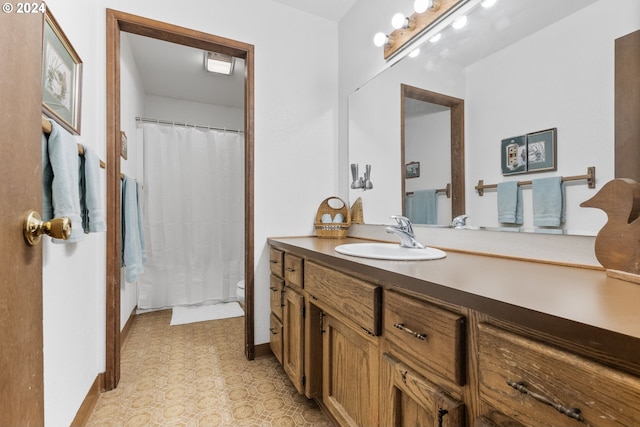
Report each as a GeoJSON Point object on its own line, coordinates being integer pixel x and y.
{"type": "Point", "coordinates": [276, 262]}
{"type": "Point", "coordinates": [431, 335]}
{"type": "Point", "coordinates": [537, 384]}
{"type": "Point", "coordinates": [276, 289]}
{"type": "Point", "coordinates": [275, 327]}
{"type": "Point", "coordinates": [356, 299]}
{"type": "Point", "coordinates": [293, 271]}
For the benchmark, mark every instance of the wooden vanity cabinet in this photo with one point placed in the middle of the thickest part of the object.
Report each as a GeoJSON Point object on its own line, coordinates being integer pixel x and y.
{"type": "Point", "coordinates": [538, 384]}
{"type": "Point", "coordinates": [293, 349]}
{"type": "Point", "coordinates": [409, 399]}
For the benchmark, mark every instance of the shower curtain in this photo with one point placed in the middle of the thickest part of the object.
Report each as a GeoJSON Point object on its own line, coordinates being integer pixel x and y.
{"type": "Point", "coordinates": [193, 216]}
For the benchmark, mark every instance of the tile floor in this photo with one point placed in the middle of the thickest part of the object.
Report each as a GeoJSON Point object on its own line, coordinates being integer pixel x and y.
{"type": "Point", "coordinates": [197, 375]}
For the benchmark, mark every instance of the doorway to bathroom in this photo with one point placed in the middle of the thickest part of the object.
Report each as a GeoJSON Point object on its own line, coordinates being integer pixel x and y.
{"type": "Point", "coordinates": [119, 23]}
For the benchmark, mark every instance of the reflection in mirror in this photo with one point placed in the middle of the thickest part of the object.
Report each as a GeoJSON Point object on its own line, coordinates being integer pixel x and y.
{"type": "Point", "coordinates": [521, 67]}
{"type": "Point", "coordinates": [432, 149]}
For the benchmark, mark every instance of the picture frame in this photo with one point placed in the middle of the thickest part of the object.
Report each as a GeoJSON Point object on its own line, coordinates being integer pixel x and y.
{"type": "Point", "coordinates": [514, 155]}
{"type": "Point", "coordinates": [542, 150]}
{"type": "Point", "coordinates": [412, 170]}
{"type": "Point", "coordinates": [61, 77]}
{"type": "Point", "coordinates": [123, 145]}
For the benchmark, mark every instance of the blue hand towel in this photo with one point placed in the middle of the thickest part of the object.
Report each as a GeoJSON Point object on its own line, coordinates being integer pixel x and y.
{"type": "Point", "coordinates": [132, 246]}
{"type": "Point", "coordinates": [425, 207]}
{"type": "Point", "coordinates": [90, 200]}
{"type": "Point", "coordinates": [548, 201]}
{"type": "Point", "coordinates": [408, 207]}
{"type": "Point", "coordinates": [510, 203]}
{"type": "Point", "coordinates": [61, 196]}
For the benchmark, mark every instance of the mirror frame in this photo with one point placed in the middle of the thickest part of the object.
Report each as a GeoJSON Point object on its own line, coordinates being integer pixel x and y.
{"type": "Point", "coordinates": [457, 142]}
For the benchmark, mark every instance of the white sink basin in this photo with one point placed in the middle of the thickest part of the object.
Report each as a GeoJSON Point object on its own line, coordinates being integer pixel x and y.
{"type": "Point", "coordinates": [390, 251]}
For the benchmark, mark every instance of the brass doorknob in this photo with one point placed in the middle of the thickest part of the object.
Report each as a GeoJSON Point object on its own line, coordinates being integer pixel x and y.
{"type": "Point", "coordinates": [34, 228]}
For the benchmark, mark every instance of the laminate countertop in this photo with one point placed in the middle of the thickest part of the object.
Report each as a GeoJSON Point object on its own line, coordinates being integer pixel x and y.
{"type": "Point", "coordinates": [581, 305]}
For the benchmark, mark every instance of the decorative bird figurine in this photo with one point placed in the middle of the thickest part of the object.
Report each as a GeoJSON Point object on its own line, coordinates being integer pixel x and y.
{"type": "Point", "coordinates": [617, 244]}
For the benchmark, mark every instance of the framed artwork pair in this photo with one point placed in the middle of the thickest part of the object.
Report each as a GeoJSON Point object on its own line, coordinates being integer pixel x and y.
{"type": "Point", "coordinates": [533, 152]}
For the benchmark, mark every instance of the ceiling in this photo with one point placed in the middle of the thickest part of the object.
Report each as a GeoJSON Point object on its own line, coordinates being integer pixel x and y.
{"type": "Point", "coordinates": [332, 10]}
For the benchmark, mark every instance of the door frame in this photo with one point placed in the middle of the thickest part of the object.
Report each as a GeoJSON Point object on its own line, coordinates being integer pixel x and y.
{"type": "Point", "coordinates": [116, 23]}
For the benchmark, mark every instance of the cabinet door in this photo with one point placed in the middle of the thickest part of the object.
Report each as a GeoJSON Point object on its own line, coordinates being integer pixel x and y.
{"type": "Point", "coordinates": [275, 326]}
{"type": "Point", "coordinates": [293, 350]}
{"type": "Point", "coordinates": [408, 399]}
{"type": "Point", "coordinates": [350, 374]}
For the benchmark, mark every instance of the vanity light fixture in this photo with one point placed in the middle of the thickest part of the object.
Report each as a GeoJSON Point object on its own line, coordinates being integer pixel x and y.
{"type": "Point", "coordinates": [399, 21]}
{"type": "Point", "coordinates": [459, 22]}
{"type": "Point", "coordinates": [488, 3]}
{"type": "Point", "coordinates": [381, 39]}
{"type": "Point", "coordinates": [421, 6]}
{"type": "Point", "coordinates": [218, 63]}
{"type": "Point", "coordinates": [436, 38]}
{"type": "Point", "coordinates": [415, 52]}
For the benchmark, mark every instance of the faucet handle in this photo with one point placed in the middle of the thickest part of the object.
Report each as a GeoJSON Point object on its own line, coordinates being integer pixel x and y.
{"type": "Point", "coordinates": [403, 222]}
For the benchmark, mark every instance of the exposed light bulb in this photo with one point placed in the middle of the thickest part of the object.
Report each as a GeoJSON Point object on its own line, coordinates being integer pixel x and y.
{"type": "Point", "coordinates": [399, 21]}
{"type": "Point", "coordinates": [415, 52]}
{"type": "Point", "coordinates": [380, 39]}
{"type": "Point", "coordinates": [460, 22]}
{"type": "Point", "coordinates": [421, 6]}
{"type": "Point", "coordinates": [436, 38]}
{"type": "Point", "coordinates": [488, 3]}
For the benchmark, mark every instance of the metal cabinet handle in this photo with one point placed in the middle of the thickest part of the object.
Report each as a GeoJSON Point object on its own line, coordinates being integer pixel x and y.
{"type": "Point", "coordinates": [410, 332]}
{"type": "Point", "coordinates": [273, 261]}
{"type": "Point", "coordinates": [289, 269]}
{"type": "Point", "coordinates": [273, 288]}
{"type": "Point", "coordinates": [273, 331]}
{"type": "Point", "coordinates": [574, 413]}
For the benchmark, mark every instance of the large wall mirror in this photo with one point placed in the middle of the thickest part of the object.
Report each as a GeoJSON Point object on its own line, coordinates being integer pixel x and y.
{"type": "Point", "coordinates": [519, 67]}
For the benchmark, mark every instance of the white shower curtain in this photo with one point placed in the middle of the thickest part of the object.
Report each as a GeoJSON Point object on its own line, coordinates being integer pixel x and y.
{"type": "Point", "coordinates": [193, 216]}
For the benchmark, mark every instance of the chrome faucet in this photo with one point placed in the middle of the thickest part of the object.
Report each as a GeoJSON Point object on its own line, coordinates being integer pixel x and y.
{"type": "Point", "coordinates": [404, 231]}
{"type": "Point", "coordinates": [460, 221]}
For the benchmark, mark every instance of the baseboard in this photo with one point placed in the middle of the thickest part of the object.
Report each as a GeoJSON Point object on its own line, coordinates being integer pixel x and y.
{"type": "Point", "coordinates": [89, 402]}
{"type": "Point", "coordinates": [262, 350]}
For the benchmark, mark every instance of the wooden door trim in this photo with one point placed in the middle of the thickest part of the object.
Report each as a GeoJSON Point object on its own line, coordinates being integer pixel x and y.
{"type": "Point", "coordinates": [116, 22]}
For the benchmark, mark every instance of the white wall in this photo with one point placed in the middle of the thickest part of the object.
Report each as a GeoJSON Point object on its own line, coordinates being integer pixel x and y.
{"type": "Point", "coordinates": [180, 111]}
{"type": "Point", "coordinates": [296, 114]}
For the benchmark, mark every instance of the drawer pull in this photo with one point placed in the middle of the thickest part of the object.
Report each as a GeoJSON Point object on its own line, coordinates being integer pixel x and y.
{"type": "Point", "coordinates": [569, 412]}
{"type": "Point", "coordinates": [273, 288]}
{"type": "Point", "coordinates": [441, 414]}
{"type": "Point", "coordinates": [273, 261]}
{"type": "Point", "coordinates": [273, 331]}
{"type": "Point", "coordinates": [290, 270]}
{"type": "Point", "coordinates": [409, 331]}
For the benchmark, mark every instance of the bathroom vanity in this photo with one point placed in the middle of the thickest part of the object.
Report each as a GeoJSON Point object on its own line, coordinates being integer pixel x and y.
{"type": "Point", "coordinates": [464, 340]}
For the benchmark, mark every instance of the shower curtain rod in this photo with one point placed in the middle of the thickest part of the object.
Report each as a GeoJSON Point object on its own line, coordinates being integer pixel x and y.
{"type": "Point", "coordinates": [168, 122]}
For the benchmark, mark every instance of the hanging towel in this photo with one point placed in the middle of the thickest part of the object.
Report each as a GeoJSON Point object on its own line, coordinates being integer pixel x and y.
{"type": "Point", "coordinates": [425, 207]}
{"type": "Point", "coordinates": [408, 207]}
{"type": "Point", "coordinates": [548, 201]}
{"type": "Point", "coordinates": [143, 249]}
{"type": "Point", "coordinates": [510, 203]}
{"type": "Point", "coordinates": [60, 179]}
{"type": "Point", "coordinates": [90, 201]}
{"type": "Point", "coordinates": [132, 245]}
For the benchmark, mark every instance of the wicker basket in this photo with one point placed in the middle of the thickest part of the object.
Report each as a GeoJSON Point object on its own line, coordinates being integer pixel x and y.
{"type": "Point", "coordinates": [332, 230]}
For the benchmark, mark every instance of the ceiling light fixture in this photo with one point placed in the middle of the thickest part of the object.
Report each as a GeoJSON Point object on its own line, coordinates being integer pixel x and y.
{"type": "Point", "coordinates": [218, 63]}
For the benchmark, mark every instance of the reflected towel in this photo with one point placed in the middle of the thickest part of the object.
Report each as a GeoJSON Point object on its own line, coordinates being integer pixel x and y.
{"type": "Point", "coordinates": [510, 203]}
{"type": "Point", "coordinates": [133, 256]}
{"type": "Point", "coordinates": [60, 193]}
{"type": "Point", "coordinates": [425, 207]}
{"type": "Point", "coordinates": [90, 200]}
{"type": "Point", "coordinates": [548, 201]}
{"type": "Point", "coordinates": [408, 207]}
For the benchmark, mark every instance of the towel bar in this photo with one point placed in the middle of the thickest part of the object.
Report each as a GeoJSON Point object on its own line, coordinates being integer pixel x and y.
{"type": "Point", "coordinates": [590, 177]}
{"type": "Point", "coordinates": [446, 190]}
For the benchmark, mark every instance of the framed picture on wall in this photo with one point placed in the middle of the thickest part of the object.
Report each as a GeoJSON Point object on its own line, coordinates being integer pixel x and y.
{"type": "Point", "coordinates": [541, 151]}
{"type": "Point", "coordinates": [514, 155]}
{"type": "Point", "coordinates": [412, 170]}
{"type": "Point", "coordinates": [61, 77]}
